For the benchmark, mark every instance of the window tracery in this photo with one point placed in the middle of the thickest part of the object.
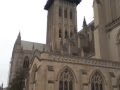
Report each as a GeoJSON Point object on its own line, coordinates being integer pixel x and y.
{"type": "Point", "coordinates": [66, 80]}
{"type": "Point", "coordinates": [97, 82]}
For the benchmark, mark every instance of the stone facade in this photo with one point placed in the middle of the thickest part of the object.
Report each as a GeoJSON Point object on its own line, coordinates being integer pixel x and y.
{"type": "Point", "coordinates": [71, 60]}
{"type": "Point", "coordinates": [22, 54]}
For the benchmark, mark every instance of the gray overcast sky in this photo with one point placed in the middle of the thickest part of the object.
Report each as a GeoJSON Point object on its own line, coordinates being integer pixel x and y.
{"type": "Point", "coordinates": [30, 18]}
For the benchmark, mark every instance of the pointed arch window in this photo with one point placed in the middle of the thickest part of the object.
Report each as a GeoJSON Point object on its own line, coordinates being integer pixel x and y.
{"type": "Point", "coordinates": [60, 33]}
{"type": "Point", "coordinates": [26, 62]}
{"type": "Point", "coordinates": [66, 80]}
{"type": "Point", "coordinates": [66, 34]}
{"type": "Point", "coordinates": [60, 12]}
{"type": "Point", "coordinates": [65, 13]}
{"type": "Point", "coordinates": [71, 14]}
{"type": "Point", "coordinates": [97, 82]}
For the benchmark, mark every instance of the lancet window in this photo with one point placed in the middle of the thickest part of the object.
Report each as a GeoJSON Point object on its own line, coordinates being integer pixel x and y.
{"type": "Point", "coordinates": [71, 14]}
{"type": "Point", "coordinates": [97, 82]}
{"type": "Point", "coordinates": [60, 12]}
{"type": "Point", "coordinates": [66, 34]}
{"type": "Point", "coordinates": [60, 33]}
{"type": "Point", "coordinates": [66, 80]}
{"type": "Point", "coordinates": [65, 13]}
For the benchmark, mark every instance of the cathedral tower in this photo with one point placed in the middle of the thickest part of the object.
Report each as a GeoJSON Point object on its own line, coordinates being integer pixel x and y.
{"type": "Point", "coordinates": [62, 22]}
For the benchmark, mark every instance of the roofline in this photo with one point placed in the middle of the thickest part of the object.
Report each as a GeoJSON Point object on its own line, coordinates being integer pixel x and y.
{"type": "Point", "coordinates": [50, 2]}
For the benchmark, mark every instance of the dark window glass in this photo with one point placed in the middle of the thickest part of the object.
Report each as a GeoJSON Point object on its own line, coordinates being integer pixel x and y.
{"type": "Point", "coordinates": [97, 82]}
{"type": "Point", "coordinates": [65, 85]}
{"type": "Point", "coordinates": [70, 85]}
{"type": "Point", "coordinates": [60, 33]}
{"type": "Point", "coordinates": [71, 15]}
{"type": "Point", "coordinates": [92, 86]}
{"type": "Point", "coordinates": [60, 85]}
{"type": "Point", "coordinates": [66, 80]}
{"type": "Point", "coordinates": [66, 34]}
{"type": "Point", "coordinates": [65, 13]}
{"type": "Point", "coordinates": [60, 12]}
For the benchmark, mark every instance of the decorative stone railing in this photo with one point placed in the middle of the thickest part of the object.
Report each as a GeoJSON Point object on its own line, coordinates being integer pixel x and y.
{"type": "Point", "coordinates": [81, 60]}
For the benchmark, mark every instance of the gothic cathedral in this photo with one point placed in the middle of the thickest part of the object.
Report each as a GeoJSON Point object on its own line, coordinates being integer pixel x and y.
{"type": "Point", "coordinates": [72, 60]}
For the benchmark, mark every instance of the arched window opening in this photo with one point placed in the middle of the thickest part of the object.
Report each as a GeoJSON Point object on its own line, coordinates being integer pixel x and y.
{"type": "Point", "coordinates": [66, 80]}
{"type": "Point", "coordinates": [96, 82]}
{"type": "Point", "coordinates": [65, 13]}
{"type": "Point", "coordinates": [26, 62]}
{"type": "Point", "coordinates": [60, 33]}
{"type": "Point", "coordinates": [60, 12]}
{"type": "Point", "coordinates": [66, 34]}
{"type": "Point", "coordinates": [71, 14]}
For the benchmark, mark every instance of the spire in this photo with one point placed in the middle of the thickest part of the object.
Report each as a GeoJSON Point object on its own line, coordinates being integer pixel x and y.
{"type": "Point", "coordinates": [84, 22]}
{"type": "Point", "coordinates": [19, 36]}
{"type": "Point", "coordinates": [18, 40]}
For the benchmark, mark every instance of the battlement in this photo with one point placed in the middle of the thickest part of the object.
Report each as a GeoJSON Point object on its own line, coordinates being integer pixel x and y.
{"type": "Point", "coordinates": [50, 2]}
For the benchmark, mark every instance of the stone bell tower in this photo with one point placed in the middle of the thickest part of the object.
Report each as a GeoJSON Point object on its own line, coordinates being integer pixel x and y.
{"type": "Point", "coordinates": [62, 22]}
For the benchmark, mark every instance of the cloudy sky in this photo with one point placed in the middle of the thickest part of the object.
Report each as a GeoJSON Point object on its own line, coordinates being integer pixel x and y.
{"type": "Point", "coordinates": [28, 17]}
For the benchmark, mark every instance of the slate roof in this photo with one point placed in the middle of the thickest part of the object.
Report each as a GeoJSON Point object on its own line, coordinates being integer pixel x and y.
{"type": "Point", "coordinates": [29, 45]}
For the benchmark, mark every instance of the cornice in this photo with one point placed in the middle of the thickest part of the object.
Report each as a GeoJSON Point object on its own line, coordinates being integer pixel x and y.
{"type": "Point", "coordinates": [110, 26]}
{"type": "Point", "coordinates": [80, 60]}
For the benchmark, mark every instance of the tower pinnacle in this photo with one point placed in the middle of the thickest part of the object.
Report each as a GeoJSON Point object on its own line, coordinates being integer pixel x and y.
{"type": "Point", "coordinates": [84, 22]}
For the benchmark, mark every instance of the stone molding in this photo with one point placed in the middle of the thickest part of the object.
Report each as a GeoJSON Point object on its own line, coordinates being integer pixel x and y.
{"type": "Point", "coordinates": [80, 60]}
{"type": "Point", "coordinates": [113, 24]}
